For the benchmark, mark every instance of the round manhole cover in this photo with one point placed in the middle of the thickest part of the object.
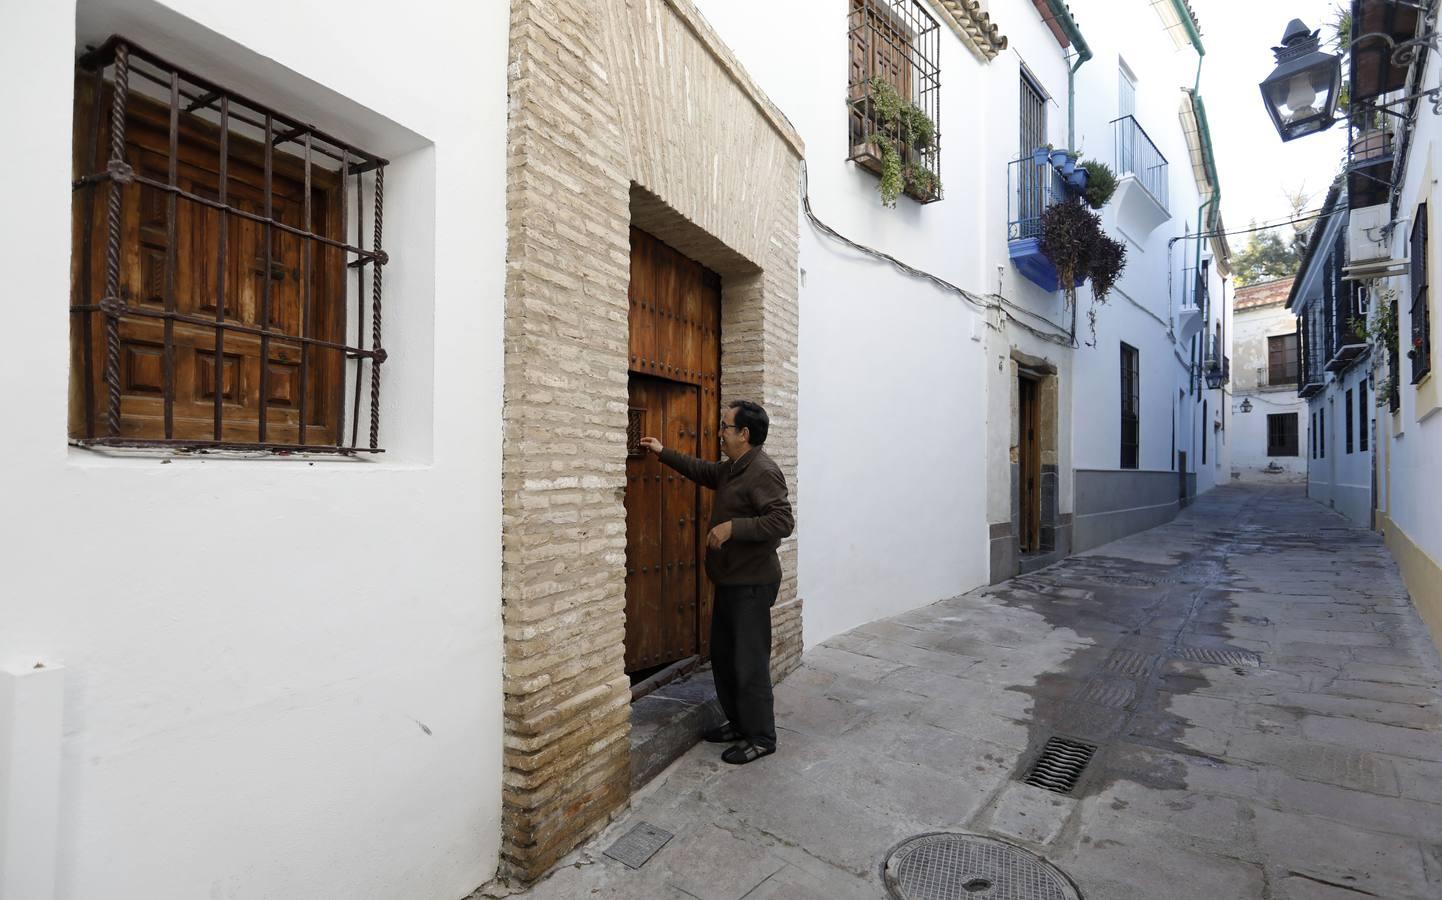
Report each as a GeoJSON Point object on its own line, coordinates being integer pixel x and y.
{"type": "Point", "coordinates": [944, 866]}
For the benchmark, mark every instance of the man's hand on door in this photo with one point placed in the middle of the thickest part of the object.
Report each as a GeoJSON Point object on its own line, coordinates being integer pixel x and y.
{"type": "Point", "coordinates": [651, 444]}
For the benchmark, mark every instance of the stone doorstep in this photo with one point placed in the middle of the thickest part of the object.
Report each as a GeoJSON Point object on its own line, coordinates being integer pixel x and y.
{"type": "Point", "coordinates": [669, 721]}
{"type": "Point", "coordinates": [1031, 562]}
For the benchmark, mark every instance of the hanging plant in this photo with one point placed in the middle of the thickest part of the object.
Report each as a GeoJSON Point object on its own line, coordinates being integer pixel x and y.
{"type": "Point", "coordinates": [904, 132]}
{"type": "Point", "coordinates": [1073, 239]}
{"type": "Point", "coordinates": [892, 180]}
{"type": "Point", "coordinates": [1101, 183]}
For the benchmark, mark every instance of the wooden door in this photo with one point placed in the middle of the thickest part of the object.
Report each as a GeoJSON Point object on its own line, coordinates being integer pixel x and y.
{"type": "Point", "coordinates": [171, 259]}
{"type": "Point", "coordinates": [663, 549]}
{"type": "Point", "coordinates": [1029, 466]}
{"type": "Point", "coordinates": [675, 363]}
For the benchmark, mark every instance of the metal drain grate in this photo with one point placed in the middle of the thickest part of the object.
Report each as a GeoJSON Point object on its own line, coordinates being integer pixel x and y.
{"type": "Point", "coordinates": [942, 866]}
{"type": "Point", "coordinates": [1129, 662]}
{"type": "Point", "coordinates": [1060, 765]}
{"type": "Point", "coordinates": [638, 845]}
{"type": "Point", "coordinates": [1114, 693]}
{"type": "Point", "coordinates": [1220, 656]}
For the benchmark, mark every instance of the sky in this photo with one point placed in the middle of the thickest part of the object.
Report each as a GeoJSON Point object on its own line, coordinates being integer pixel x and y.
{"type": "Point", "coordinates": [1253, 164]}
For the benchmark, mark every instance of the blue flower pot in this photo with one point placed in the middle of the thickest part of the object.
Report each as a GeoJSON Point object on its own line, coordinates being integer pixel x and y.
{"type": "Point", "coordinates": [1078, 179]}
{"type": "Point", "coordinates": [1060, 159]}
{"type": "Point", "coordinates": [1039, 155]}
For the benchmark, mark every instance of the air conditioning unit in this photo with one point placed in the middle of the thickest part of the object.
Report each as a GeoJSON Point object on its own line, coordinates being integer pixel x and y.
{"type": "Point", "coordinates": [1365, 240]}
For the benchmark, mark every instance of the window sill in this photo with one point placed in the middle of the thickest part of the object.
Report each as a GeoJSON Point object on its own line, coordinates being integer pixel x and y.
{"type": "Point", "coordinates": [116, 458]}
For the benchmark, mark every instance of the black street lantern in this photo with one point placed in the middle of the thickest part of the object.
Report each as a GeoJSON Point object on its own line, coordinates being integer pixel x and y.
{"type": "Point", "coordinates": [1301, 93]}
{"type": "Point", "coordinates": [1214, 378]}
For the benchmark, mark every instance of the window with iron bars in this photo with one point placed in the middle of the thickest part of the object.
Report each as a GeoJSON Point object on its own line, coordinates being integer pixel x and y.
{"type": "Point", "coordinates": [1130, 407]}
{"type": "Point", "coordinates": [1282, 434]}
{"type": "Point", "coordinates": [1421, 344]}
{"type": "Point", "coordinates": [223, 294]}
{"type": "Point", "coordinates": [895, 48]}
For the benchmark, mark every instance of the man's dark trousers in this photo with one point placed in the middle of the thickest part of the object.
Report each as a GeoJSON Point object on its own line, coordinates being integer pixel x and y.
{"type": "Point", "coordinates": [741, 658]}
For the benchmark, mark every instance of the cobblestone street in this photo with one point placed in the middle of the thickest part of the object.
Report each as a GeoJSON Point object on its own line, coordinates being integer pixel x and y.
{"type": "Point", "coordinates": [1263, 699]}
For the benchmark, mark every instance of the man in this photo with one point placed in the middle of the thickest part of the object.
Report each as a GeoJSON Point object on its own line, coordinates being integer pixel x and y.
{"type": "Point", "coordinates": [748, 520]}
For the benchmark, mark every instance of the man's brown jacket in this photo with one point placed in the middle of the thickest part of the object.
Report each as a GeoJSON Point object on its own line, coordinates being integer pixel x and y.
{"type": "Point", "coordinates": [751, 495]}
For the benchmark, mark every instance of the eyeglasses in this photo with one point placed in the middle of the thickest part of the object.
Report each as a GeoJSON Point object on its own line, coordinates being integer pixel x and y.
{"type": "Point", "coordinates": [725, 426]}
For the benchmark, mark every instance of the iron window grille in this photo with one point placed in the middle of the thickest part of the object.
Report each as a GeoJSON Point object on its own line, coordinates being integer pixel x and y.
{"type": "Point", "coordinates": [1364, 425]}
{"type": "Point", "coordinates": [1421, 349]}
{"type": "Point", "coordinates": [1282, 359]}
{"type": "Point", "coordinates": [1130, 407]}
{"type": "Point", "coordinates": [1322, 434]}
{"type": "Point", "coordinates": [211, 268]}
{"type": "Point", "coordinates": [895, 44]}
{"type": "Point", "coordinates": [1394, 365]}
{"type": "Point", "coordinates": [1350, 423]}
{"type": "Point", "coordinates": [1282, 434]}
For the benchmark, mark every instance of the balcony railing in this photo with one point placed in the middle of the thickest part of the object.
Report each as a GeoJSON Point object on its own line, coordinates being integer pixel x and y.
{"type": "Point", "coordinates": [1032, 187]}
{"type": "Point", "coordinates": [1194, 289]}
{"type": "Point", "coordinates": [1136, 155]}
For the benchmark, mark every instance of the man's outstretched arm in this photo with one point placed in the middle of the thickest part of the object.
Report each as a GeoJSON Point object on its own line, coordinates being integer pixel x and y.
{"type": "Point", "coordinates": [703, 472]}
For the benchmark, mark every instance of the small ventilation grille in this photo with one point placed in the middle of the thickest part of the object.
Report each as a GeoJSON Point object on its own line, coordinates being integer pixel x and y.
{"type": "Point", "coordinates": [1060, 765]}
{"type": "Point", "coordinates": [634, 419]}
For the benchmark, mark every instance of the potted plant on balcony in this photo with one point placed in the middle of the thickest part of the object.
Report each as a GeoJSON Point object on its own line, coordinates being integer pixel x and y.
{"type": "Point", "coordinates": [1101, 183]}
{"type": "Point", "coordinates": [903, 138]}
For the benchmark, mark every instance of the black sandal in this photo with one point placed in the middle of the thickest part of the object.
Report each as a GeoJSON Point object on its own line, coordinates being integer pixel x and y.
{"type": "Point", "coordinates": [741, 754]}
{"type": "Point", "coordinates": [723, 734]}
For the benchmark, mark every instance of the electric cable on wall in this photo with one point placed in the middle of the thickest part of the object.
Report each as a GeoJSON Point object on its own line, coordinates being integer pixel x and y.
{"type": "Point", "coordinates": [985, 303]}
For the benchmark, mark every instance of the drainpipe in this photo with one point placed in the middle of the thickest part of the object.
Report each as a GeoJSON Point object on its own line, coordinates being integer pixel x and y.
{"type": "Point", "coordinates": [1062, 16]}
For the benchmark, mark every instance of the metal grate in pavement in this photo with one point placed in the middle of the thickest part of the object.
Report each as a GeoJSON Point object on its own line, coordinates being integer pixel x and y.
{"type": "Point", "coordinates": [638, 845]}
{"type": "Point", "coordinates": [1114, 693]}
{"type": "Point", "coordinates": [941, 866]}
{"type": "Point", "coordinates": [1129, 662]}
{"type": "Point", "coordinates": [1220, 656]}
{"type": "Point", "coordinates": [1060, 765]}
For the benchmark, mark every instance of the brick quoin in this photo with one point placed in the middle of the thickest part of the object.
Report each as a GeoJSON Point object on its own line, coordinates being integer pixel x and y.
{"type": "Point", "coordinates": [601, 137]}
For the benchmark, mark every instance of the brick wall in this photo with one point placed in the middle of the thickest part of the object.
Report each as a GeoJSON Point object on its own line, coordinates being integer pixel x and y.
{"type": "Point", "coordinates": [622, 111]}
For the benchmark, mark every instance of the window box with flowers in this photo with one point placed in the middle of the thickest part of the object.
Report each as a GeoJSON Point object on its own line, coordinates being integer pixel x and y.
{"type": "Point", "coordinates": [894, 98]}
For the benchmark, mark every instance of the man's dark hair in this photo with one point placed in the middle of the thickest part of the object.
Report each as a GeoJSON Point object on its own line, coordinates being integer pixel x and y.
{"type": "Point", "coordinates": [751, 416]}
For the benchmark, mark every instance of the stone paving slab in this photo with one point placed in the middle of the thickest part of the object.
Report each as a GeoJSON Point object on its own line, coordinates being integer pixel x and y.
{"type": "Point", "coordinates": [1311, 770]}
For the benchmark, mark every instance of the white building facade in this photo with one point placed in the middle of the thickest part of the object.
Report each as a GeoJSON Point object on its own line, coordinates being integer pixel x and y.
{"type": "Point", "coordinates": [1269, 420]}
{"type": "Point", "coordinates": [1393, 254]}
{"type": "Point", "coordinates": [1143, 369]}
{"type": "Point", "coordinates": [1334, 379]}
{"type": "Point", "coordinates": [303, 599]}
{"type": "Point", "coordinates": [238, 673]}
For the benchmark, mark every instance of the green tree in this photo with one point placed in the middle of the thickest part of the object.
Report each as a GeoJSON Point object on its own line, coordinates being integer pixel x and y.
{"type": "Point", "coordinates": [1264, 258]}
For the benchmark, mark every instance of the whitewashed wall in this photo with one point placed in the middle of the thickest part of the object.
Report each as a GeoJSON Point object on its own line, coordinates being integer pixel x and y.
{"type": "Point", "coordinates": [1031, 45]}
{"type": "Point", "coordinates": [1141, 307]}
{"type": "Point", "coordinates": [1414, 501]}
{"type": "Point", "coordinates": [283, 676]}
{"type": "Point", "coordinates": [892, 413]}
{"type": "Point", "coordinates": [1343, 478]}
{"type": "Point", "coordinates": [1249, 381]}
